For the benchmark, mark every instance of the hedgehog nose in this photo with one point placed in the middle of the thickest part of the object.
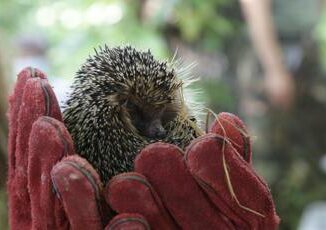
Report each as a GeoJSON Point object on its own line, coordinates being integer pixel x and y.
{"type": "Point", "coordinates": [156, 130]}
{"type": "Point", "coordinates": [160, 132]}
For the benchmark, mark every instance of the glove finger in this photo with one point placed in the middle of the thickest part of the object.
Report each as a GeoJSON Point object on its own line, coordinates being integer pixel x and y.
{"type": "Point", "coordinates": [231, 183]}
{"type": "Point", "coordinates": [78, 187]}
{"type": "Point", "coordinates": [163, 165]}
{"type": "Point", "coordinates": [49, 142]}
{"type": "Point", "coordinates": [15, 100]}
{"type": "Point", "coordinates": [128, 221]}
{"type": "Point", "coordinates": [38, 99]}
{"type": "Point", "coordinates": [231, 127]}
{"type": "Point", "coordinates": [132, 193]}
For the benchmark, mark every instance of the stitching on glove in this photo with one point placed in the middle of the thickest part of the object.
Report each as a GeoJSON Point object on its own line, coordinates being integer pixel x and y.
{"type": "Point", "coordinates": [46, 98]}
{"type": "Point", "coordinates": [88, 176]}
{"type": "Point", "coordinates": [166, 212]}
{"type": "Point", "coordinates": [124, 220]}
{"type": "Point", "coordinates": [207, 187]}
{"type": "Point", "coordinates": [90, 179]}
{"type": "Point", "coordinates": [62, 139]}
{"type": "Point", "coordinates": [228, 179]}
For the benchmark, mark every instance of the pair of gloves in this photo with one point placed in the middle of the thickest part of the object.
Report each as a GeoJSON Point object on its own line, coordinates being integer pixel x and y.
{"type": "Point", "coordinates": [212, 185]}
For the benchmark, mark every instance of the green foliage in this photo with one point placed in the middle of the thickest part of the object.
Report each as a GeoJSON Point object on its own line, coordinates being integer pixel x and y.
{"type": "Point", "coordinates": [218, 95]}
{"type": "Point", "coordinates": [320, 34]}
{"type": "Point", "coordinates": [3, 210]}
{"type": "Point", "coordinates": [208, 23]}
{"type": "Point", "coordinates": [70, 45]}
{"type": "Point", "coordinates": [292, 196]}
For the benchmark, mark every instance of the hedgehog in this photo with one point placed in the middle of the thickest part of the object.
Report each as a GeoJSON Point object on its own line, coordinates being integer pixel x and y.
{"type": "Point", "coordinates": [123, 99]}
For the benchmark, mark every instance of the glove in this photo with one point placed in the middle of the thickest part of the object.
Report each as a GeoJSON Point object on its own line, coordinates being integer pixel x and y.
{"type": "Point", "coordinates": [37, 141]}
{"type": "Point", "coordinates": [212, 185]}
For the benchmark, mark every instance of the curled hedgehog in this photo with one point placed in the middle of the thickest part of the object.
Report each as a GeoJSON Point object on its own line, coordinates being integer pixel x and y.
{"type": "Point", "coordinates": [123, 99]}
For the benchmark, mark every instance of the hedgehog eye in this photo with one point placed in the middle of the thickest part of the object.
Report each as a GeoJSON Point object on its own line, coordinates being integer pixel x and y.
{"type": "Point", "coordinates": [130, 105]}
{"type": "Point", "coordinates": [135, 112]}
{"type": "Point", "coordinates": [137, 117]}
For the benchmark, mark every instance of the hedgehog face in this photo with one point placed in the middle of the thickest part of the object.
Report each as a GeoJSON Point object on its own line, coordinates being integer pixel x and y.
{"type": "Point", "coordinates": [132, 82]}
{"type": "Point", "coordinates": [149, 119]}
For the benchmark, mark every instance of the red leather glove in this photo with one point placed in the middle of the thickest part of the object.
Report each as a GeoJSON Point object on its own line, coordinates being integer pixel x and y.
{"type": "Point", "coordinates": [211, 186]}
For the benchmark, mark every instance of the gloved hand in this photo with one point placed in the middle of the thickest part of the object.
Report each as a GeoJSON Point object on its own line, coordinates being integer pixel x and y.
{"type": "Point", "coordinates": [210, 186]}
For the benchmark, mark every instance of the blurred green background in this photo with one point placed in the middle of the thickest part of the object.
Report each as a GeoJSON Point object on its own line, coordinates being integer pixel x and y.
{"type": "Point", "coordinates": [289, 145]}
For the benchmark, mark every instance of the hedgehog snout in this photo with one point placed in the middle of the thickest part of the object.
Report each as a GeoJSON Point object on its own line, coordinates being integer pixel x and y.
{"type": "Point", "coordinates": [155, 129]}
